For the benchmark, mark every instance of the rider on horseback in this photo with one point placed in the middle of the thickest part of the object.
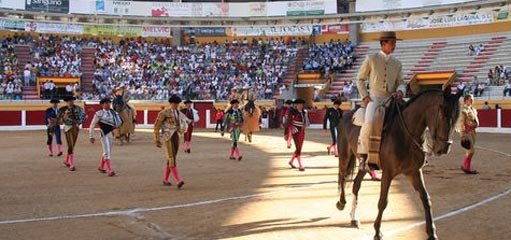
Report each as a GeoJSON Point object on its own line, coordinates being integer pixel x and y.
{"type": "Point", "coordinates": [383, 72]}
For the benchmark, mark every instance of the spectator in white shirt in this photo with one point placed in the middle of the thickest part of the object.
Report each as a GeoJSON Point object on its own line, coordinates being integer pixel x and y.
{"type": "Point", "coordinates": [507, 89]}
{"type": "Point", "coordinates": [27, 76]}
{"type": "Point", "coordinates": [69, 90]}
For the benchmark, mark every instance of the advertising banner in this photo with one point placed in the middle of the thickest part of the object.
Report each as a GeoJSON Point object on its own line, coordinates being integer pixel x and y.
{"type": "Point", "coordinates": [56, 6]}
{"type": "Point", "coordinates": [384, 5]}
{"type": "Point", "coordinates": [176, 9]}
{"type": "Point", "coordinates": [12, 4]}
{"type": "Point", "coordinates": [251, 9]}
{"type": "Point", "coordinates": [452, 20]}
{"type": "Point", "coordinates": [271, 31]}
{"type": "Point", "coordinates": [214, 31]}
{"type": "Point", "coordinates": [215, 9]}
{"type": "Point", "coordinates": [461, 19]}
{"type": "Point", "coordinates": [305, 8]}
{"type": "Point", "coordinates": [12, 24]}
{"type": "Point", "coordinates": [60, 28]}
{"type": "Point", "coordinates": [156, 31]}
{"type": "Point", "coordinates": [112, 30]}
{"type": "Point", "coordinates": [334, 29]}
{"type": "Point", "coordinates": [204, 9]}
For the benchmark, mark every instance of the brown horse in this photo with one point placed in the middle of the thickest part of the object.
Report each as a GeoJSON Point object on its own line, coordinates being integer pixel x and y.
{"type": "Point", "coordinates": [123, 133]}
{"type": "Point", "coordinates": [251, 117]}
{"type": "Point", "coordinates": [401, 148]}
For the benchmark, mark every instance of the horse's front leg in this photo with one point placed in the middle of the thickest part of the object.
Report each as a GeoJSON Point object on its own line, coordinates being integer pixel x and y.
{"type": "Point", "coordinates": [356, 187]}
{"type": "Point", "coordinates": [417, 181]}
{"type": "Point", "coordinates": [382, 203]}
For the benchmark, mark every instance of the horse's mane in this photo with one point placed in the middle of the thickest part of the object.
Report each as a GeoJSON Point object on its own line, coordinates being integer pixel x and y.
{"type": "Point", "coordinates": [392, 111]}
{"type": "Point", "coordinates": [419, 95]}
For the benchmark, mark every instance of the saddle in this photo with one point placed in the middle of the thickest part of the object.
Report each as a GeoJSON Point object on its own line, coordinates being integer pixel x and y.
{"type": "Point", "coordinates": [382, 117]}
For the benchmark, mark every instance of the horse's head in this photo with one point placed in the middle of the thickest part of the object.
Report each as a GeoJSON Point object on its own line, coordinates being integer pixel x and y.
{"type": "Point", "coordinates": [441, 116]}
{"type": "Point", "coordinates": [250, 107]}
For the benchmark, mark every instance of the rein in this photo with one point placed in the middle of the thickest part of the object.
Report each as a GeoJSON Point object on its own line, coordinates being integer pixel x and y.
{"type": "Point", "coordinates": [403, 124]}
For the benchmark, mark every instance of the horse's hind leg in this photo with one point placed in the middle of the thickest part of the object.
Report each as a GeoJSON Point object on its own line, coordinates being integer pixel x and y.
{"type": "Point", "coordinates": [417, 181]}
{"type": "Point", "coordinates": [382, 203]}
{"type": "Point", "coordinates": [343, 167]}
{"type": "Point", "coordinates": [356, 187]}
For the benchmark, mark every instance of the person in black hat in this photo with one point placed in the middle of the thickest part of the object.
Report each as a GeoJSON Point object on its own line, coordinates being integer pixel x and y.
{"type": "Point", "coordinates": [72, 116]}
{"type": "Point", "coordinates": [284, 111]}
{"type": "Point", "coordinates": [384, 74]}
{"type": "Point", "coordinates": [233, 120]}
{"type": "Point", "coordinates": [333, 116]}
{"type": "Point", "coordinates": [51, 120]}
{"type": "Point", "coordinates": [297, 121]}
{"type": "Point", "coordinates": [108, 120]}
{"type": "Point", "coordinates": [193, 115]}
{"type": "Point", "coordinates": [172, 122]}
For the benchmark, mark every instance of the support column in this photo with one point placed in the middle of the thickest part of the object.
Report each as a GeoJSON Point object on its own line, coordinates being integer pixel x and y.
{"type": "Point", "coordinates": [23, 118]}
{"type": "Point", "coordinates": [177, 36]}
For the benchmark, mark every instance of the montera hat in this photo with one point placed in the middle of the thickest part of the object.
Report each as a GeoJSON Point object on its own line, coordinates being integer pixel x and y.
{"type": "Point", "coordinates": [174, 99]}
{"type": "Point", "coordinates": [187, 101]}
{"type": "Point", "coordinates": [299, 101]}
{"type": "Point", "coordinates": [67, 99]}
{"type": "Point", "coordinates": [337, 102]}
{"type": "Point", "coordinates": [105, 100]}
{"type": "Point", "coordinates": [234, 101]}
{"type": "Point", "coordinates": [54, 100]}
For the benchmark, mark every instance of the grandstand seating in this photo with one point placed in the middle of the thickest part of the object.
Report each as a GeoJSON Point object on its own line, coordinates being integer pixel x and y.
{"type": "Point", "coordinates": [440, 54]}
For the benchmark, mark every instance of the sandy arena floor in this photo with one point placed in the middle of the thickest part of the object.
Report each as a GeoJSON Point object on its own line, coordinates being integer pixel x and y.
{"type": "Point", "coordinates": [257, 198]}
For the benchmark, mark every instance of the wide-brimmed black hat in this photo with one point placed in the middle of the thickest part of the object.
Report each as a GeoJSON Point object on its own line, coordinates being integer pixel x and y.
{"type": "Point", "coordinates": [174, 99]}
{"type": "Point", "coordinates": [234, 101]}
{"type": "Point", "coordinates": [105, 100]}
{"type": "Point", "coordinates": [187, 101]}
{"type": "Point", "coordinates": [299, 101]}
{"type": "Point", "coordinates": [288, 102]}
{"type": "Point", "coordinates": [54, 100]}
{"type": "Point", "coordinates": [67, 99]}
{"type": "Point", "coordinates": [388, 35]}
{"type": "Point", "coordinates": [337, 101]}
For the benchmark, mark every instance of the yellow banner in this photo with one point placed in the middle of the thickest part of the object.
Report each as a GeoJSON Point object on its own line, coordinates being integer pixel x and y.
{"type": "Point", "coordinates": [110, 30]}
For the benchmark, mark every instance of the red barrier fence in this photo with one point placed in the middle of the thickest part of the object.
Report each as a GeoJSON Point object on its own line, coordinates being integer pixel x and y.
{"type": "Point", "coordinates": [491, 119]}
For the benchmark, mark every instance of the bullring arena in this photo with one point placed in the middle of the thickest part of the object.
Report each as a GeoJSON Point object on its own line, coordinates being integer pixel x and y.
{"type": "Point", "coordinates": [211, 53]}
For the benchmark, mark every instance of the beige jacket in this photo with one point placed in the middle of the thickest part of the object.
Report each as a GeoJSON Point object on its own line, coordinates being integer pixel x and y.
{"type": "Point", "coordinates": [468, 120]}
{"type": "Point", "coordinates": [384, 76]}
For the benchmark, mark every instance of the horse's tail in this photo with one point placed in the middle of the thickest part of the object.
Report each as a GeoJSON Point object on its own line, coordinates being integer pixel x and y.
{"type": "Point", "coordinates": [347, 157]}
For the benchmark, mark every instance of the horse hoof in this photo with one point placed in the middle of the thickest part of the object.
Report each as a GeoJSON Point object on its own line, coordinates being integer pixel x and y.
{"type": "Point", "coordinates": [355, 223]}
{"type": "Point", "coordinates": [340, 205]}
{"type": "Point", "coordinates": [378, 237]}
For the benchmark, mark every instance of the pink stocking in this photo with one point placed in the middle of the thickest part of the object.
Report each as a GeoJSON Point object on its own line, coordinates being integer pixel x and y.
{"type": "Point", "coordinates": [175, 173]}
{"type": "Point", "coordinates": [289, 138]}
{"type": "Point", "coordinates": [232, 152]}
{"type": "Point", "coordinates": [467, 163]}
{"type": "Point", "coordinates": [50, 149]}
{"type": "Point", "coordinates": [107, 163]}
{"type": "Point", "coordinates": [71, 160]}
{"type": "Point", "coordinates": [299, 158]}
{"type": "Point", "coordinates": [102, 163]}
{"type": "Point", "coordinates": [372, 173]}
{"type": "Point", "coordinates": [166, 173]}
{"type": "Point", "coordinates": [237, 151]}
{"type": "Point", "coordinates": [59, 148]}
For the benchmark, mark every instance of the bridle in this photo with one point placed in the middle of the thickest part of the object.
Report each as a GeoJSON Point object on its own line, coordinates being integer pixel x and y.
{"type": "Point", "coordinates": [410, 135]}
